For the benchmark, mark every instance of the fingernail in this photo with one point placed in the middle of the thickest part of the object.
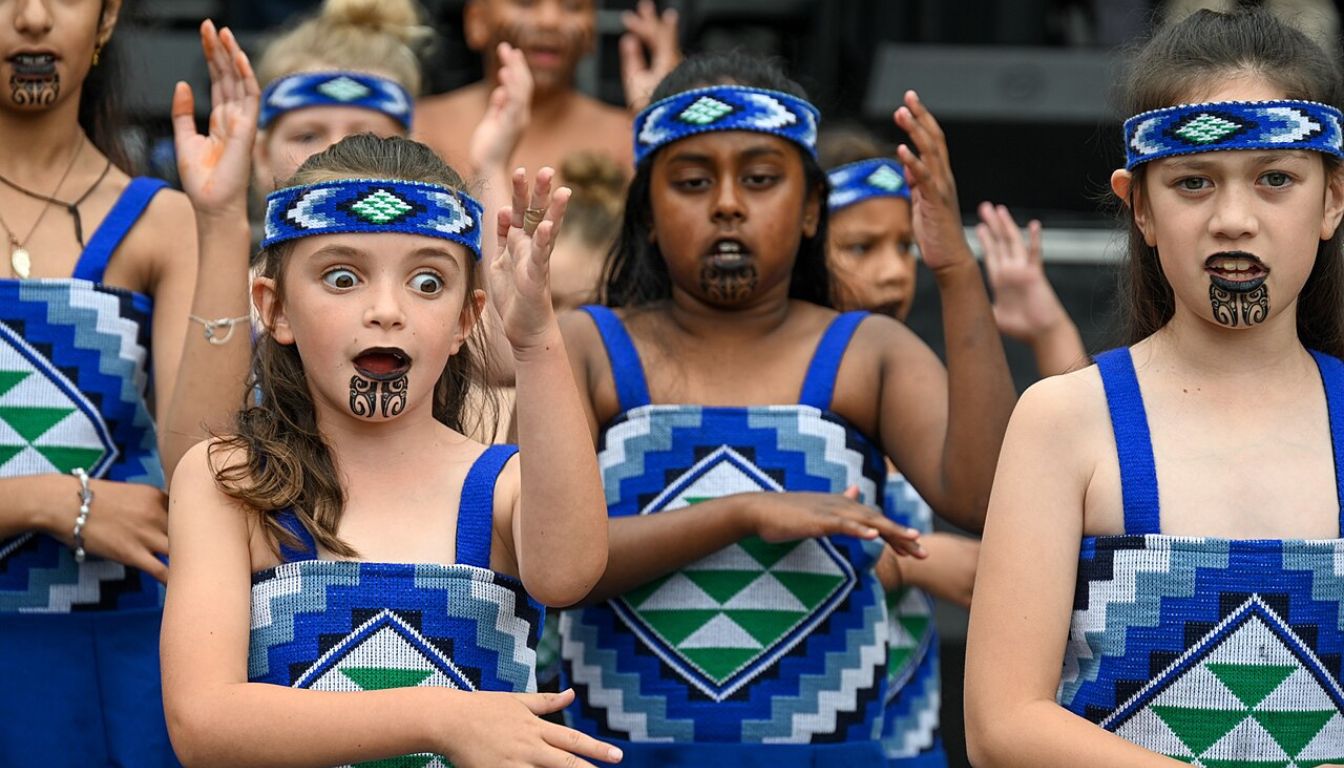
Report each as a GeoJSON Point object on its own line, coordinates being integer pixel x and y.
{"type": "Point", "coordinates": [614, 755]}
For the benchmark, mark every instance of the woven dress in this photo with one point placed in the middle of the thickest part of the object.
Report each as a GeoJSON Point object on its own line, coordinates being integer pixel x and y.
{"type": "Point", "coordinates": [911, 736]}
{"type": "Point", "coordinates": [760, 654]}
{"type": "Point", "coordinates": [79, 642]}
{"type": "Point", "coordinates": [1217, 652]}
{"type": "Point", "coordinates": [346, 625]}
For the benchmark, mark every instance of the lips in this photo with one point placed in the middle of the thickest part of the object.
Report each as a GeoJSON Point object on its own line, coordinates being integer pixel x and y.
{"type": "Point", "coordinates": [33, 65]}
{"type": "Point", "coordinates": [729, 254]}
{"type": "Point", "coordinates": [1236, 271]}
{"type": "Point", "coordinates": [382, 363]}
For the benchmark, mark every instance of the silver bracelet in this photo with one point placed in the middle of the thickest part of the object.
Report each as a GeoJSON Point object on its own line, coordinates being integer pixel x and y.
{"type": "Point", "coordinates": [85, 501]}
{"type": "Point", "coordinates": [212, 328]}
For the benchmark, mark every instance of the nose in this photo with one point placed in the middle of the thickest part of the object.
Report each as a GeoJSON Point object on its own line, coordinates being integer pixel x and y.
{"type": "Point", "coordinates": [548, 14]}
{"type": "Point", "coordinates": [1234, 216]}
{"type": "Point", "coordinates": [384, 309]}
{"type": "Point", "coordinates": [728, 205]}
{"type": "Point", "coordinates": [32, 17]}
{"type": "Point", "coordinates": [897, 266]}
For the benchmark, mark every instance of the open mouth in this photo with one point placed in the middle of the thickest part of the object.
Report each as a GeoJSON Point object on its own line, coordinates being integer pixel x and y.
{"type": "Point", "coordinates": [33, 65]}
{"type": "Point", "coordinates": [729, 254]}
{"type": "Point", "coordinates": [1236, 271]}
{"type": "Point", "coordinates": [382, 363]}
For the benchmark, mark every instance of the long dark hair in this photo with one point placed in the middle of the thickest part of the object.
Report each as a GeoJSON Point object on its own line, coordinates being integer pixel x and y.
{"type": "Point", "coordinates": [1179, 60]}
{"type": "Point", "coordinates": [635, 273]}
{"type": "Point", "coordinates": [288, 463]}
{"type": "Point", "coordinates": [101, 113]}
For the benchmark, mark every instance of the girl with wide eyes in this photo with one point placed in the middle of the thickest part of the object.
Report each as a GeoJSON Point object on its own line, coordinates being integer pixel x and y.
{"type": "Point", "coordinates": [354, 578]}
{"type": "Point", "coordinates": [742, 425]}
{"type": "Point", "coordinates": [1159, 579]}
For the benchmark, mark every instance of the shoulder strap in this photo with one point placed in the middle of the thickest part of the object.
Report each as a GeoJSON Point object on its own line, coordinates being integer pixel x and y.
{"type": "Point", "coordinates": [1133, 441]}
{"type": "Point", "coordinates": [476, 511]}
{"type": "Point", "coordinates": [819, 385]}
{"type": "Point", "coordinates": [114, 227]}
{"type": "Point", "coordinates": [307, 549]}
{"type": "Point", "coordinates": [626, 371]}
{"type": "Point", "coordinates": [1332, 375]}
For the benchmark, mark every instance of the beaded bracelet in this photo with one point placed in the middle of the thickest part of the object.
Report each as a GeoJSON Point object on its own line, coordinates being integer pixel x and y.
{"type": "Point", "coordinates": [85, 500]}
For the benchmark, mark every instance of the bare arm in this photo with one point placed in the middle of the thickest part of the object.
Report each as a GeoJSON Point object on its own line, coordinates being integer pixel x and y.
{"type": "Point", "coordinates": [1024, 592]}
{"type": "Point", "coordinates": [216, 717]}
{"type": "Point", "coordinates": [979, 389]}
{"type": "Point", "coordinates": [201, 368]}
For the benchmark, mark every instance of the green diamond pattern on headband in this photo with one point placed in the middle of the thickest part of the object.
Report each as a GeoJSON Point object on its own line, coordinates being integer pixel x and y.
{"type": "Point", "coordinates": [344, 89]}
{"type": "Point", "coordinates": [381, 207]}
{"type": "Point", "coordinates": [705, 110]}
{"type": "Point", "coordinates": [1205, 128]}
{"type": "Point", "coordinates": [886, 178]}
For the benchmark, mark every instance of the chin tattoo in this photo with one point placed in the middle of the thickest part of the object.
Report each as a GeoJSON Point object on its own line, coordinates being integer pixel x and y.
{"type": "Point", "coordinates": [1231, 308]}
{"type": "Point", "coordinates": [35, 91]}
{"type": "Point", "coordinates": [728, 285]}
{"type": "Point", "coordinates": [367, 396]}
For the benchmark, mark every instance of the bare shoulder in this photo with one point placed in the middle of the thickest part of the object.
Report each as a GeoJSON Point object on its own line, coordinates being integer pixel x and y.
{"type": "Point", "coordinates": [206, 460]}
{"type": "Point", "coordinates": [1068, 410]}
{"type": "Point", "coordinates": [606, 115]}
{"type": "Point", "coordinates": [165, 235]}
{"type": "Point", "coordinates": [580, 333]}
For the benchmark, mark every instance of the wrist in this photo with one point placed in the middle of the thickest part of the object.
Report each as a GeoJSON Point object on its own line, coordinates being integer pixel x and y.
{"type": "Point", "coordinates": [82, 516]}
{"type": "Point", "coordinates": [745, 515]}
{"type": "Point", "coordinates": [539, 346]}
{"type": "Point", "coordinates": [957, 270]}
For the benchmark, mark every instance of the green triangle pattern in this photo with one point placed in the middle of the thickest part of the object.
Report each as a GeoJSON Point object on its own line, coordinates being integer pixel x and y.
{"type": "Point", "coordinates": [1293, 730]}
{"type": "Point", "coordinates": [8, 452]}
{"type": "Point", "coordinates": [1251, 683]}
{"type": "Point", "coordinates": [676, 626]}
{"type": "Point", "coordinates": [405, 761]}
{"type": "Point", "coordinates": [722, 585]}
{"type": "Point", "coordinates": [720, 663]}
{"type": "Point", "coordinates": [915, 625]}
{"type": "Point", "coordinates": [1199, 728]}
{"type": "Point", "coordinates": [809, 588]}
{"type": "Point", "coordinates": [10, 379]}
{"type": "Point", "coordinates": [764, 626]}
{"type": "Point", "coordinates": [764, 552]}
{"type": "Point", "coordinates": [382, 678]}
{"type": "Point", "coordinates": [66, 458]}
{"type": "Point", "coordinates": [32, 423]}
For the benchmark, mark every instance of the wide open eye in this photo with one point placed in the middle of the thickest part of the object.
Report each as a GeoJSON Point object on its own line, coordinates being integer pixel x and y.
{"type": "Point", "coordinates": [340, 277]}
{"type": "Point", "coordinates": [427, 283]}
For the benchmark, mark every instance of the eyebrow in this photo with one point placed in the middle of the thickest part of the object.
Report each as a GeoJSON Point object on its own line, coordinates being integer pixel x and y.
{"type": "Point", "coordinates": [346, 252]}
{"type": "Point", "coordinates": [1197, 162]}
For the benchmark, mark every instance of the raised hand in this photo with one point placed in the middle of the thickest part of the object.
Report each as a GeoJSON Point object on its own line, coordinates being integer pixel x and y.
{"type": "Point", "coordinates": [506, 729]}
{"type": "Point", "coordinates": [646, 29]}
{"type": "Point", "coordinates": [520, 286]}
{"type": "Point", "coordinates": [506, 114]}
{"type": "Point", "coordinates": [1025, 306]}
{"type": "Point", "coordinates": [128, 523]}
{"type": "Point", "coordinates": [933, 191]}
{"type": "Point", "coordinates": [779, 517]}
{"type": "Point", "coordinates": [215, 167]}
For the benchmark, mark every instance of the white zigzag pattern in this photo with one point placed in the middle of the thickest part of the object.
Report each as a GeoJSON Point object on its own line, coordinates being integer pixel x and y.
{"type": "Point", "coordinates": [838, 453]}
{"type": "Point", "coordinates": [1141, 143]}
{"type": "Point", "coordinates": [509, 624]}
{"type": "Point", "coordinates": [776, 115]}
{"type": "Point", "coordinates": [919, 737]}
{"type": "Point", "coordinates": [111, 323]}
{"type": "Point", "coordinates": [303, 212]}
{"type": "Point", "coordinates": [843, 699]}
{"type": "Point", "coordinates": [92, 573]}
{"type": "Point", "coordinates": [270, 590]}
{"type": "Point", "coordinates": [610, 699]}
{"type": "Point", "coordinates": [454, 224]}
{"type": "Point", "coordinates": [1303, 125]}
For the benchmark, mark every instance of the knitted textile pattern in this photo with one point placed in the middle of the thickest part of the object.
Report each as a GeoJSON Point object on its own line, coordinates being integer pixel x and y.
{"type": "Point", "coordinates": [725, 108]}
{"type": "Point", "coordinates": [339, 89]}
{"type": "Point", "coordinates": [1213, 651]}
{"type": "Point", "coordinates": [865, 179]}
{"type": "Point", "coordinates": [758, 643]}
{"type": "Point", "coordinates": [1191, 128]}
{"type": "Point", "coordinates": [373, 205]}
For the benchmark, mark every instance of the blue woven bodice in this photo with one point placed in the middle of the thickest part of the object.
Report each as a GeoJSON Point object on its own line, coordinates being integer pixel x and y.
{"type": "Point", "coordinates": [1213, 651]}
{"type": "Point", "coordinates": [74, 383]}
{"type": "Point", "coordinates": [757, 643]}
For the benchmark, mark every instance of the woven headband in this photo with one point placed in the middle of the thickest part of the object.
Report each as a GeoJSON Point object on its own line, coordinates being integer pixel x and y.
{"type": "Point", "coordinates": [341, 89]}
{"type": "Point", "coordinates": [725, 108]}
{"type": "Point", "coordinates": [856, 182]}
{"type": "Point", "coordinates": [1191, 128]}
{"type": "Point", "coordinates": [373, 205]}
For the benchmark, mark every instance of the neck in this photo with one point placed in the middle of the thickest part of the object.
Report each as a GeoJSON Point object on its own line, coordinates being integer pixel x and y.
{"type": "Point", "coordinates": [359, 444]}
{"type": "Point", "coordinates": [759, 318]}
{"type": "Point", "coordinates": [49, 139]}
{"type": "Point", "coordinates": [1229, 355]}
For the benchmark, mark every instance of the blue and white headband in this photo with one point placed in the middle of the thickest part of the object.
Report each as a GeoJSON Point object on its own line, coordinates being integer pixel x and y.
{"type": "Point", "coordinates": [340, 89]}
{"type": "Point", "coordinates": [373, 205]}
{"type": "Point", "coordinates": [1190, 128]}
{"type": "Point", "coordinates": [725, 108]}
{"type": "Point", "coordinates": [856, 182]}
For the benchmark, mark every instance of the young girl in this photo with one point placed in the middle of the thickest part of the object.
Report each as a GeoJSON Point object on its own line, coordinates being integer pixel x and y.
{"type": "Point", "coordinates": [1167, 522]}
{"type": "Point", "coordinates": [381, 548]}
{"type": "Point", "coordinates": [742, 625]}
{"type": "Point", "coordinates": [118, 348]}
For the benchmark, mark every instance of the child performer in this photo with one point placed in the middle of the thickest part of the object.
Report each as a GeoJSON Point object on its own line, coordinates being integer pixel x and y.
{"type": "Point", "coordinates": [1163, 556]}
{"type": "Point", "coordinates": [742, 426]}
{"type": "Point", "coordinates": [396, 568]}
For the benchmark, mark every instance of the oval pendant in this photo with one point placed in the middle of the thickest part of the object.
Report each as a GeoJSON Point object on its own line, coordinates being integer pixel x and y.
{"type": "Point", "coordinates": [21, 262]}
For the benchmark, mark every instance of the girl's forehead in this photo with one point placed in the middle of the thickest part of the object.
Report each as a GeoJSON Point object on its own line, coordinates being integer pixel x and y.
{"type": "Point", "coordinates": [1241, 86]}
{"type": "Point", "coordinates": [727, 144]}
{"type": "Point", "coordinates": [381, 247]}
{"type": "Point", "coordinates": [883, 213]}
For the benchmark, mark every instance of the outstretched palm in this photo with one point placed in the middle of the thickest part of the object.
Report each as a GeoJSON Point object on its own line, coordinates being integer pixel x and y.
{"type": "Point", "coordinates": [215, 166]}
{"type": "Point", "coordinates": [519, 277]}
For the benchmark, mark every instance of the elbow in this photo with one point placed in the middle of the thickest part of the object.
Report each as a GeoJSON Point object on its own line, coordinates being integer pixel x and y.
{"type": "Point", "coordinates": [189, 730]}
{"type": "Point", "coordinates": [983, 746]}
{"type": "Point", "coordinates": [558, 588]}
